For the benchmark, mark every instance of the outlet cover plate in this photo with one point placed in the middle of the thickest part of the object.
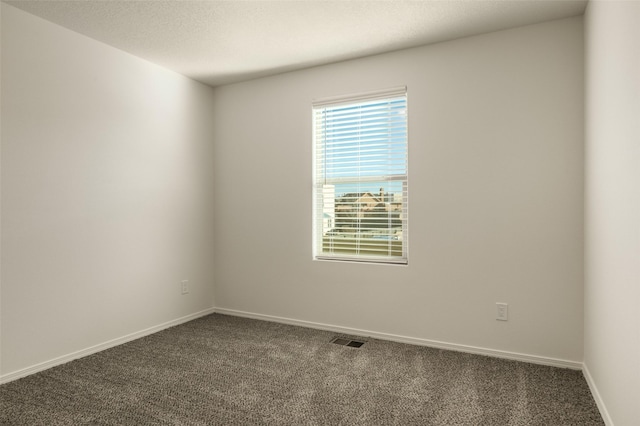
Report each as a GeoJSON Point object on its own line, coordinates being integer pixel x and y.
{"type": "Point", "coordinates": [502, 311]}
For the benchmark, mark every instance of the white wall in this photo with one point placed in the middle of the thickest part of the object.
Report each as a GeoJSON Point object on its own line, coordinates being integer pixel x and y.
{"type": "Point", "coordinates": [107, 193]}
{"type": "Point", "coordinates": [612, 207]}
{"type": "Point", "coordinates": [496, 204]}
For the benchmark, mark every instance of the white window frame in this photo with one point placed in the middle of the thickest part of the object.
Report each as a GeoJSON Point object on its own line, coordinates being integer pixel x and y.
{"type": "Point", "coordinates": [324, 196]}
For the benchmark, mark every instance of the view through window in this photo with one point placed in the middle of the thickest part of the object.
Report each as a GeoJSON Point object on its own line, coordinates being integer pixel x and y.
{"type": "Point", "coordinates": [361, 187]}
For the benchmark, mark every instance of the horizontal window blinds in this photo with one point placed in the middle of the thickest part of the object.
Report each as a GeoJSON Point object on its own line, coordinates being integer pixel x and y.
{"type": "Point", "coordinates": [361, 187]}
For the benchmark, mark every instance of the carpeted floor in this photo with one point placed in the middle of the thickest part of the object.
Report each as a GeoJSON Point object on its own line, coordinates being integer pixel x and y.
{"type": "Point", "coordinates": [222, 370]}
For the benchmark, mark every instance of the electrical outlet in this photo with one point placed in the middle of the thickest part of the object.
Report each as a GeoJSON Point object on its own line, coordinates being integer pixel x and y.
{"type": "Point", "coordinates": [185, 286]}
{"type": "Point", "coordinates": [502, 313]}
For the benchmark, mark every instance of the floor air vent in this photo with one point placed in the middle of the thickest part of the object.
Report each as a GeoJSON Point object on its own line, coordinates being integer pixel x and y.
{"type": "Point", "coordinates": [347, 342]}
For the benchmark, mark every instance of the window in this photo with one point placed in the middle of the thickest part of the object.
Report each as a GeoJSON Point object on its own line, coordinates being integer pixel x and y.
{"type": "Point", "coordinates": [360, 177]}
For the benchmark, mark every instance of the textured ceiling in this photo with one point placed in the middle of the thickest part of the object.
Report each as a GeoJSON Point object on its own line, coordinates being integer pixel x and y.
{"type": "Point", "coordinates": [220, 42]}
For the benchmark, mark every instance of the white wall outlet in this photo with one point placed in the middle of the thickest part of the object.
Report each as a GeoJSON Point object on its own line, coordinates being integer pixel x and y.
{"type": "Point", "coordinates": [502, 311]}
{"type": "Point", "coordinates": [184, 286]}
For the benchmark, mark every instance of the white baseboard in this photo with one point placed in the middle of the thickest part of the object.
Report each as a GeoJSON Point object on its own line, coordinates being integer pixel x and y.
{"type": "Point", "coordinates": [534, 359]}
{"type": "Point", "coordinates": [596, 396]}
{"type": "Point", "coordinates": [100, 347]}
{"type": "Point", "coordinates": [320, 326]}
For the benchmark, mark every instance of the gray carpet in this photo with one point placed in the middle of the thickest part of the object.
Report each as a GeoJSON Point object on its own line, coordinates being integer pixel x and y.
{"type": "Point", "coordinates": [220, 370]}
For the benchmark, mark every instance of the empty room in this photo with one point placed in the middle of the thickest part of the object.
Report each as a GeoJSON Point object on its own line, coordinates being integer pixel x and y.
{"type": "Point", "coordinates": [320, 212]}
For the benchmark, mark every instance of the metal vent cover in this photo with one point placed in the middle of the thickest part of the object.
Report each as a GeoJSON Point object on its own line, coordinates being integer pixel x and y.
{"type": "Point", "coordinates": [343, 341]}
